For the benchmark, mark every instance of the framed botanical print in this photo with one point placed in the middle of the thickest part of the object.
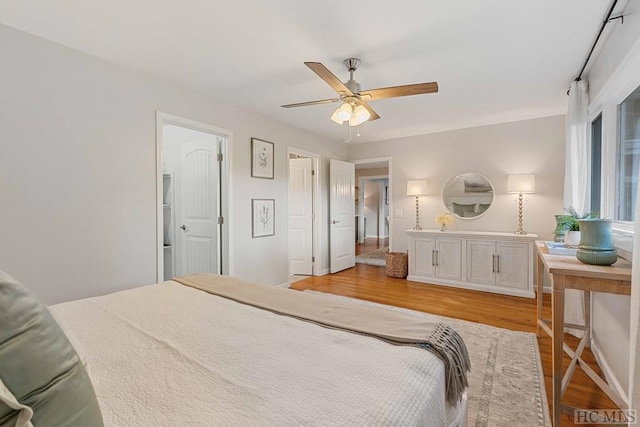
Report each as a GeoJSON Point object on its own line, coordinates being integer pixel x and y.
{"type": "Point", "coordinates": [261, 158]}
{"type": "Point", "coordinates": [262, 217]}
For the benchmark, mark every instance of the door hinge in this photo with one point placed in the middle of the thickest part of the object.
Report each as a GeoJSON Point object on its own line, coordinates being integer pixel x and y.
{"type": "Point", "coordinates": [220, 220]}
{"type": "Point", "coordinates": [313, 172]}
{"type": "Point", "coordinates": [313, 259]}
{"type": "Point", "coordinates": [219, 157]}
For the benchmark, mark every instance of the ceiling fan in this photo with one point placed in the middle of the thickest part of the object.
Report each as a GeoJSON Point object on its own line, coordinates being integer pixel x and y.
{"type": "Point", "coordinates": [354, 108]}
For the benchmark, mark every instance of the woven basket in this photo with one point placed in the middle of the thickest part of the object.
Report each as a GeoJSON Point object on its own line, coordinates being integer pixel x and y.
{"type": "Point", "coordinates": [397, 264]}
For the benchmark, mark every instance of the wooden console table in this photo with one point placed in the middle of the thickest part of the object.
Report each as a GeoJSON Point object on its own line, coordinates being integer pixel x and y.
{"type": "Point", "coordinates": [567, 272]}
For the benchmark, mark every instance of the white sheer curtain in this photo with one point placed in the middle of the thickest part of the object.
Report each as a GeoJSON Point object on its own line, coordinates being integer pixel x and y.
{"type": "Point", "coordinates": [576, 180]}
{"type": "Point", "coordinates": [634, 342]}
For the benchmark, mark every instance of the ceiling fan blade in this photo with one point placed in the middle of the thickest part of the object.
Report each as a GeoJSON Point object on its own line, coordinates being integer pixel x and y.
{"type": "Point", "coordinates": [374, 115]}
{"type": "Point", "coordinates": [326, 75]}
{"type": "Point", "coordinates": [396, 91]}
{"type": "Point", "coordinates": [304, 104]}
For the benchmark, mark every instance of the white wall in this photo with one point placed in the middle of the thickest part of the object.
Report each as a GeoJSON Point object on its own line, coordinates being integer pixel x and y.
{"type": "Point", "coordinates": [611, 313]}
{"type": "Point", "coordinates": [531, 146]}
{"type": "Point", "coordinates": [614, 49]}
{"type": "Point", "coordinates": [78, 172]}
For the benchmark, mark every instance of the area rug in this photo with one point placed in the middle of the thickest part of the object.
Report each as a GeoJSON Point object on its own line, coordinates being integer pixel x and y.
{"type": "Point", "coordinates": [506, 382]}
{"type": "Point", "coordinates": [373, 258]}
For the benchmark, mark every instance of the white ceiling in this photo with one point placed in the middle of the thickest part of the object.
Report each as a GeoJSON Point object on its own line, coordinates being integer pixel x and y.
{"type": "Point", "coordinates": [494, 60]}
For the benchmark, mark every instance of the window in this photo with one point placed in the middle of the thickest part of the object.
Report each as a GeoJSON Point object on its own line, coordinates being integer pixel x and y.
{"type": "Point", "coordinates": [596, 163]}
{"type": "Point", "coordinates": [628, 157]}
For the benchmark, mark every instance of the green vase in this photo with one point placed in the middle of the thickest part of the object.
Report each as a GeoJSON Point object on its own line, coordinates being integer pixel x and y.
{"type": "Point", "coordinates": [596, 242]}
{"type": "Point", "coordinates": [558, 235]}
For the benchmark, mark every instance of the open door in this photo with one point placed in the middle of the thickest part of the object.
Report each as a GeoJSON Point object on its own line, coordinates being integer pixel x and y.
{"type": "Point", "coordinates": [198, 238]}
{"type": "Point", "coordinates": [301, 216]}
{"type": "Point", "coordinates": [342, 178]}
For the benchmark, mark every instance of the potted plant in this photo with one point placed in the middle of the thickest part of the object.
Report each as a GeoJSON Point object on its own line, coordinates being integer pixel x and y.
{"type": "Point", "coordinates": [568, 228]}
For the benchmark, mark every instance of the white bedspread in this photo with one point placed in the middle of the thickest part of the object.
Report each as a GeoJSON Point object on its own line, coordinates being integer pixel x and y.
{"type": "Point", "coordinates": [169, 355]}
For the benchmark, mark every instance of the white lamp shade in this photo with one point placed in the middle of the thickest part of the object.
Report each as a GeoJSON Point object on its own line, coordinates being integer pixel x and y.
{"type": "Point", "coordinates": [362, 114]}
{"type": "Point", "coordinates": [344, 112]}
{"type": "Point", "coordinates": [335, 117]}
{"type": "Point", "coordinates": [521, 183]}
{"type": "Point", "coordinates": [416, 187]}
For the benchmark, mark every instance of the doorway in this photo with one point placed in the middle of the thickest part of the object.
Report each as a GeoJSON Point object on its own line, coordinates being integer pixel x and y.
{"type": "Point", "coordinates": [192, 189]}
{"type": "Point", "coordinates": [303, 201]}
{"type": "Point", "coordinates": [373, 207]}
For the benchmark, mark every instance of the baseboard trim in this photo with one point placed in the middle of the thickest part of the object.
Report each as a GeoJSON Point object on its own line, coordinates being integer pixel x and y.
{"type": "Point", "coordinates": [608, 372]}
{"type": "Point", "coordinates": [284, 285]}
{"type": "Point", "coordinates": [323, 272]}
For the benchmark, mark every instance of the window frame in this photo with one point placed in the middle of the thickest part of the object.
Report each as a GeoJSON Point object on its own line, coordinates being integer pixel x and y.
{"type": "Point", "coordinates": [624, 81]}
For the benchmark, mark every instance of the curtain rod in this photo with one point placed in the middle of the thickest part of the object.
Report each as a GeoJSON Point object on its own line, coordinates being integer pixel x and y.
{"type": "Point", "coordinates": [595, 42]}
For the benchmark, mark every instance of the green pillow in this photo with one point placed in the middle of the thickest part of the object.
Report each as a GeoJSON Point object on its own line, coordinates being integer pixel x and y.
{"type": "Point", "coordinates": [462, 210]}
{"type": "Point", "coordinates": [39, 366]}
{"type": "Point", "coordinates": [12, 412]}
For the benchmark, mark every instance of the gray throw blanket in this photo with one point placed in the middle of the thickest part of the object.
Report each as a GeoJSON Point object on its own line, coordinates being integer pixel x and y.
{"type": "Point", "coordinates": [392, 326]}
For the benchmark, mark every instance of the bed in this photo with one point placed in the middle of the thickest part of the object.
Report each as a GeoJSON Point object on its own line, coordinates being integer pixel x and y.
{"type": "Point", "coordinates": [169, 354]}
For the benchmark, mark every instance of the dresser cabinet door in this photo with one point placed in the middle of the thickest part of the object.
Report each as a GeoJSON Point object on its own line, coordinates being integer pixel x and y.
{"type": "Point", "coordinates": [480, 261]}
{"type": "Point", "coordinates": [449, 259]}
{"type": "Point", "coordinates": [423, 264]}
{"type": "Point", "coordinates": [512, 265]}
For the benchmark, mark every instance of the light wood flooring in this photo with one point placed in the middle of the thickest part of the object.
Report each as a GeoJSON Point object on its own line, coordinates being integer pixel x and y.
{"type": "Point", "coordinates": [372, 284]}
{"type": "Point", "coordinates": [370, 245]}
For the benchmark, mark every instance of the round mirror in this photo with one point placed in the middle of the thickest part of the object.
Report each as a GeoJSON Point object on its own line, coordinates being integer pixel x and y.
{"type": "Point", "coordinates": [468, 195]}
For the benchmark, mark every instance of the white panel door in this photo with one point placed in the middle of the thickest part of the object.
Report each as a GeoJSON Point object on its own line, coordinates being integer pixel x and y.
{"type": "Point", "coordinates": [198, 229]}
{"type": "Point", "coordinates": [300, 216]}
{"type": "Point", "coordinates": [449, 259]}
{"type": "Point", "coordinates": [342, 243]}
{"type": "Point", "coordinates": [480, 262]}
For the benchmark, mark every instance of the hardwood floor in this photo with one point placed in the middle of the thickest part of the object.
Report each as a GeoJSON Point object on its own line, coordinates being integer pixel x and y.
{"type": "Point", "coordinates": [372, 284]}
{"type": "Point", "coordinates": [370, 245]}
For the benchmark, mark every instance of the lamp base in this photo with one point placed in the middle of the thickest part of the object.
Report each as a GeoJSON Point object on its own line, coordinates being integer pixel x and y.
{"type": "Point", "coordinates": [417, 228]}
{"type": "Point", "coordinates": [520, 232]}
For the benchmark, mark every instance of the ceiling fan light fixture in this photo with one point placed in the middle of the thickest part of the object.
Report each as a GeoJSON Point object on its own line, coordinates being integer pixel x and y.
{"type": "Point", "coordinates": [344, 112]}
{"type": "Point", "coordinates": [361, 113]}
{"type": "Point", "coordinates": [336, 118]}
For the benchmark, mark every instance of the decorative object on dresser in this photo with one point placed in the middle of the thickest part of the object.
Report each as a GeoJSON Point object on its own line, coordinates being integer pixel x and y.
{"type": "Point", "coordinates": [444, 220]}
{"type": "Point", "coordinates": [484, 261]}
{"type": "Point", "coordinates": [417, 188]}
{"type": "Point", "coordinates": [596, 243]}
{"type": "Point", "coordinates": [468, 195]}
{"type": "Point", "coordinates": [521, 184]}
{"type": "Point", "coordinates": [262, 158]}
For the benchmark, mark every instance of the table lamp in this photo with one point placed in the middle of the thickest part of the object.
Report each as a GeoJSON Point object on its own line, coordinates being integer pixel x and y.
{"type": "Point", "coordinates": [417, 188]}
{"type": "Point", "coordinates": [521, 184]}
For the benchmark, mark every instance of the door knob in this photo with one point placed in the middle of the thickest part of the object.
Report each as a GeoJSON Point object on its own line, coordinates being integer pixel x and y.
{"type": "Point", "coordinates": [333, 221]}
{"type": "Point", "coordinates": [183, 227]}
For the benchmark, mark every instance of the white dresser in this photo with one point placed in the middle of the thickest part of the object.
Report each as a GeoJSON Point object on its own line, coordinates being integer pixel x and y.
{"type": "Point", "coordinates": [485, 261]}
